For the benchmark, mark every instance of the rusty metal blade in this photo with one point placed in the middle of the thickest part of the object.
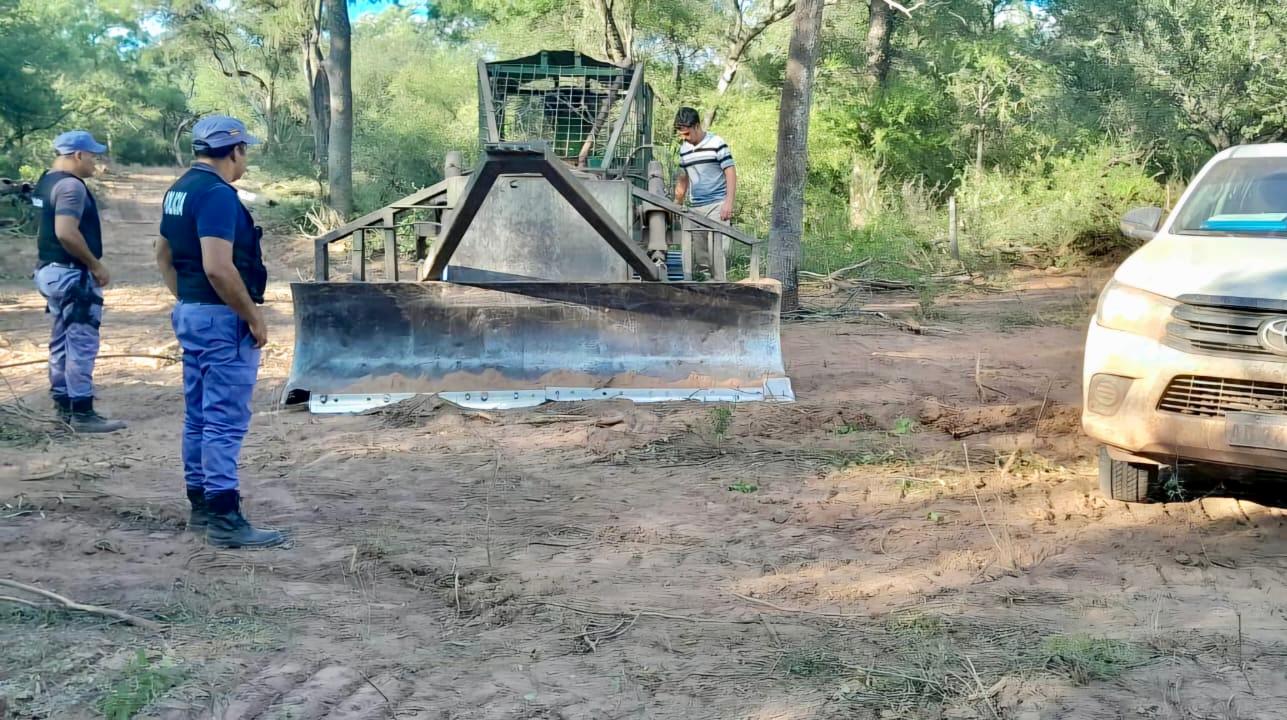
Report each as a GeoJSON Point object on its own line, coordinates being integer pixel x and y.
{"type": "Point", "coordinates": [408, 337]}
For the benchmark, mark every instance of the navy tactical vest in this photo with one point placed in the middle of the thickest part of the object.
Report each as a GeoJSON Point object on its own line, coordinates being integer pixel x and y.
{"type": "Point", "coordinates": [47, 245]}
{"type": "Point", "coordinates": [179, 213]}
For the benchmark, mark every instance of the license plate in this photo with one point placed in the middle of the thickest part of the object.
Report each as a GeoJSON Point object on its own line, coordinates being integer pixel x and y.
{"type": "Point", "coordinates": [1253, 430]}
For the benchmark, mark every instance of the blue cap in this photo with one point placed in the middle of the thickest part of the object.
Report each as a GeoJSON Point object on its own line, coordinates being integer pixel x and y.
{"type": "Point", "coordinates": [217, 131]}
{"type": "Point", "coordinates": [77, 141]}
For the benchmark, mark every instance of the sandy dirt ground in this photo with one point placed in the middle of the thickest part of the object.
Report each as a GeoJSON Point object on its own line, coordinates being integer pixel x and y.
{"type": "Point", "coordinates": [919, 536]}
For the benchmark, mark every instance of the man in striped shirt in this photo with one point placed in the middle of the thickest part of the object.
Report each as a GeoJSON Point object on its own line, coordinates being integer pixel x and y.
{"type": "Point", "coordinates": [708, 181]}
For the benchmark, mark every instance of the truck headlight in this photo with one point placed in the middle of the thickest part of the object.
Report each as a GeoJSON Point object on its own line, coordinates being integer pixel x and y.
{"type": "Point", "coordinates": [1128, 309]}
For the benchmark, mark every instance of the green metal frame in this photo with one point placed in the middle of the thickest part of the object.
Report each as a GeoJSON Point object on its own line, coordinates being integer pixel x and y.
{"type": "Point", "coordinates": [562, 97]}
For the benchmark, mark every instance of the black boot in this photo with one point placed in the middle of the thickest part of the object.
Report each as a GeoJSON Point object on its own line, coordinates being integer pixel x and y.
{"type": "Point", "coordinates": [62, 404]}
{"type": "Point", "coordinates": [85, 420]}
{"type": "Point", "coordinates": [200, 516]}
{"type": "Point", "coordinates": [229, 528]}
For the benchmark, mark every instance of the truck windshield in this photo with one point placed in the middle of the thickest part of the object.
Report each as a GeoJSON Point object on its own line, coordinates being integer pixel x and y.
{"type": "Point", "coordinates": [1239, 196]}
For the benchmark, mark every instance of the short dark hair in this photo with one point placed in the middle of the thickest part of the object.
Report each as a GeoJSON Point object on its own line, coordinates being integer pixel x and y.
{"type": "Point", "coordinates": [687, 117]}
{"type": "Point", "coordinates": [202, 150]}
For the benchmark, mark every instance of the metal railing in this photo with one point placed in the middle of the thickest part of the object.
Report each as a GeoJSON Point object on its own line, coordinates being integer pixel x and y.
{"type": "Point", "coordinates": [445, 200]}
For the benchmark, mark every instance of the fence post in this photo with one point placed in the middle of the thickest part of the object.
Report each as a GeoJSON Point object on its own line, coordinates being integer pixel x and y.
{"type": "Point", "coordinates": [953, 244]}
{"type": "Point", "coordinates": [390, 245]}
{"type": "Point", "coordinates": [321, 261]}
{"type": "Point", "coordinates": [357, 254]}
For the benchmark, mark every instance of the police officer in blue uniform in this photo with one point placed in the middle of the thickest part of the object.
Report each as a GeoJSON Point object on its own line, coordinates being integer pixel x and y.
{"type": "Point", "coordinates": [71, 276]}
{"type": "Point", "coordinates": [211, 261]}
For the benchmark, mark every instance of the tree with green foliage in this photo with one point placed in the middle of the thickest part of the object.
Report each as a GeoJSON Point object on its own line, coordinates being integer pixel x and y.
{"type": "Point", "coordinates": [996, 88]}
{"type": "Point", "coordinates": [1054, 106]}
{"type": "Point", "coordinates": [27, 104]}
{"type": "Point", "coordinates": [250, 47]}
{"type": "Point", "coordinates": [1174, 73]}
{"type": "Point", "coordinates": [677, 35]}
{"type": "Point", "coordinates": [65, 63]}
{"type": "Point", "coordinates": [750, 21]}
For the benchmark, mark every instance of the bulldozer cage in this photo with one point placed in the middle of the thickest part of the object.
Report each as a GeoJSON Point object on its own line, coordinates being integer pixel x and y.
{"type": "Point", "coordinates": [593, 115]}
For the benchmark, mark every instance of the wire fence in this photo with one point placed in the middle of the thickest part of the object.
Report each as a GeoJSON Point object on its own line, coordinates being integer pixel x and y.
{"type": "Point", "coordinates": [577, 109]}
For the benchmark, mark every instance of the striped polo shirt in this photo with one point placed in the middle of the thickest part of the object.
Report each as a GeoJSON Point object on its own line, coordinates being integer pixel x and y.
{"type": "Point", "coordinates": [705, 163]}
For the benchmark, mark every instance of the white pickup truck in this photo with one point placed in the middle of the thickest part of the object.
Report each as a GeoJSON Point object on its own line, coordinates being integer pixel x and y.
{"type": "Point", "coordinates": [1186, 357]}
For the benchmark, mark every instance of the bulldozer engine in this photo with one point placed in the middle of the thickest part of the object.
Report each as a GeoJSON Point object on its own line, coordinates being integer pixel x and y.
{"type": "Point", "coordinates": [554, 270]}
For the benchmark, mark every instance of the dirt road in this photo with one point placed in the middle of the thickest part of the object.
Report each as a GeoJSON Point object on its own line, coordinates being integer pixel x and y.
{"type": "Point", "coordinates": [917, 537]}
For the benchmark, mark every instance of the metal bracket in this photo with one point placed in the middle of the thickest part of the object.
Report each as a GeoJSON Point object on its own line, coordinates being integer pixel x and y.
{"type": "Point", "coordinates": [532, 158]}
{"type": "Point", "coordinates": [348, 404]}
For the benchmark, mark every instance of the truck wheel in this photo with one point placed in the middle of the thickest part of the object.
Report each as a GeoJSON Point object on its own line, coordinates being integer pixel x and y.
{"type": "Point", "coordinates": [1131, 482]}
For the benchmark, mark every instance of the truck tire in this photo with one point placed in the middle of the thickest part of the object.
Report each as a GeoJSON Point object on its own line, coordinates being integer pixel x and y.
{"type": "Point", "coordinates": [1131, 482]}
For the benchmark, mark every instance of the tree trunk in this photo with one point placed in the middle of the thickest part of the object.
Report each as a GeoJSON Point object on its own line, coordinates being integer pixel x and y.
{"type": "Point", "coordinates": [880, 33]}
{"type": "Point", "coordinates": [319, 108]}
{"type": "Point", "coordinates": [732, 64]}
{"type": "Point", "coordinates": [864, 176]}
{"type": "Point", "coordinates": [864, 189]}
{"type": "Point", "coordinates": [618, 48]}
{"type": "Point", "coordinates": [725, 79]}
{"type": "Point", "coordinates": [340, 76]}
{"type": "Point", "coordinates": [677, 71]}
{"type": "Point", "coordinates": [270, 118]}
{"type": "Point", "coordinates": [978, 152]}
{"type": "Point", "coordinates": [319, 92]}
{"type": "Point", "coordinates": [182, 158]}
{"type": "Point", "coordinates": [600, 119]}
{"type": "Point", "coordinates": [1219, 139]}
{"type": "Point", "coordinates": [786, 228]}
{"type": "Point", "coordinates": [740, 42]}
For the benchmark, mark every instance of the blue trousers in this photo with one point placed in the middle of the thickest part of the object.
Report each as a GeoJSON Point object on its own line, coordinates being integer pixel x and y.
{"type": "Point", "coordinates": [220, 366]}
{"type": "Point", "coordinates": [76, 303]}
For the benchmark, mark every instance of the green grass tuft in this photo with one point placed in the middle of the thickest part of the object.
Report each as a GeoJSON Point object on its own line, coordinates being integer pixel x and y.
{"type": "Point", "coordinates": [813, 663]}
{"type": "Point", "coordinates": [139, 684]}
{"type": "Point", "coordinates": [1083, 658]}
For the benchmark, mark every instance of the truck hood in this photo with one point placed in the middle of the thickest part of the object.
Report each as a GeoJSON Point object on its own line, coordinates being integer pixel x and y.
{"type": "Point", "coordinates": [1242, 267]}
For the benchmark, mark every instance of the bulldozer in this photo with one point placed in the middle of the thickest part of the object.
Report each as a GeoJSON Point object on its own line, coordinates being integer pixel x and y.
{"type": "Point", "coordinates": [555, 269]}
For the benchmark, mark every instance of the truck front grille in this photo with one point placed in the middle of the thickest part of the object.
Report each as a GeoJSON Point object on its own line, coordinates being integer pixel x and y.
{"type": "Point", "coordinates": [1217, 397]}
{"type": "Point", "coordinates": [1220, 331]}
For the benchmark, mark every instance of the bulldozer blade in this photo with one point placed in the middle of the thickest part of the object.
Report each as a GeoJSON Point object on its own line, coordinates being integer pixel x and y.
{"type": "Point", "coordinates": [517, 344]}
